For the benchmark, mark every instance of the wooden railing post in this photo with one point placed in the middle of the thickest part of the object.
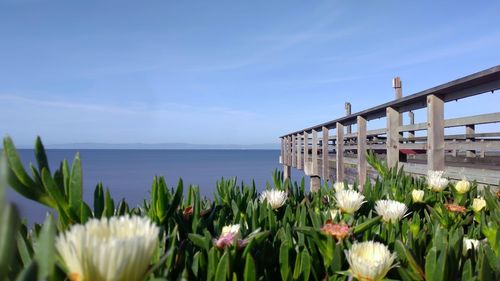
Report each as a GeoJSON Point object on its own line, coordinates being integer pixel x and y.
{"type": "Point", "coordinates": [315, 180]}
{"type": "Point", "coordinates": [294, 151]}
{"type": "Point", "coordinates": [314, 152]}
{"type": "Point", "coordinates": [347, 113]}
{"type": "Point", "coordinates": [339, 148]}
{"type": "Point", "coordinates": [469, 137]}
{"type": "Point", "coordinates": [435, 133]}
{"type": "Point", "coordinates": [282, 154]}
{"type": "Point", "coordinates": [300, 162]}
{"type": "Point", "coordinates": [392, 142]}
{"type": "Point", "coordinates": [286, 163]}
{"type": "Point", "coordinates": [397, 84]}
{"type": "Point", "coordinates": [411, 134]}
{"type": "Point", "coordinates": [324, 154]}
{"type": "Point", "coordinates": [361, 151]}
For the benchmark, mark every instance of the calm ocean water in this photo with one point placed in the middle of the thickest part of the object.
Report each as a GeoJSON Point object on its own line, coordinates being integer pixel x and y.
{"type": "Point", "coordinates": [129, 173]}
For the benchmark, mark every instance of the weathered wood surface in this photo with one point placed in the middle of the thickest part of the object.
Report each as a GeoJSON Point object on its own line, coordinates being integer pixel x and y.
{"type": "Point", "coordinates": [339, 152]}
{"type": "Point", "coordinates": [434, 151]}
{"type": "Point", "coordinates": [435, 133]}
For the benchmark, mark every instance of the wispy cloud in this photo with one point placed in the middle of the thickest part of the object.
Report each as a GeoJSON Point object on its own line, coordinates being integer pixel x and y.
{"type": "Point", "coordinates": [318, 29]}
{"type": "Point", "coordinates": [138, 109]}
{"type": "Point", "coordinates": [67, 104]}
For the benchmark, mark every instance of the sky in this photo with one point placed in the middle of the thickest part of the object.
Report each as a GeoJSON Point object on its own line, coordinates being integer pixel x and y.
{"type": "Point", "coordinates": [227, 72]}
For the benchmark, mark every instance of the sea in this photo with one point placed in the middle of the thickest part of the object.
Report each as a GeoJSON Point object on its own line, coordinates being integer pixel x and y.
{"type": "Point", "coordinates": [129, 173]}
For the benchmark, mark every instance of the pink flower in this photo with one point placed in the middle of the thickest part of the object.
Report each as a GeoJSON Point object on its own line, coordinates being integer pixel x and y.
{"type": "Point", "coordinates": [228, 236]}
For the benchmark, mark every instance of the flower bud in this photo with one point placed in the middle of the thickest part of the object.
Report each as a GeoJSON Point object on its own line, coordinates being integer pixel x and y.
{"type": "Point", "coordinates": [478, 204]}
{"type": "Point", "coordinates": [462, 186]}
{"type": "Point", "coordinates": [417, 195]}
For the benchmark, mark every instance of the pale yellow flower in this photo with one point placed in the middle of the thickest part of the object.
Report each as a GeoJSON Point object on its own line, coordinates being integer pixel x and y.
{"type": "Point", "coordinates": [436, 181]}
{"type": "Point", "coordinates": [462, 186]}
{"type": "Point", "coordinates": [118, 249]}
{"type": "Point", "coordinates": [417, 195]}
{"type": "Point", "coordinates": [275, 198]}
{"type": "Point", "coordinates": [390, 210]}
{"type": "Point", "coordinates": [349, 201]}
{"type": "Point", "coordinates": [338, 186]}
{"type": "Point", "coordinates": [478, 204]}
{"type": "Point", "coordinates": [370, 260]}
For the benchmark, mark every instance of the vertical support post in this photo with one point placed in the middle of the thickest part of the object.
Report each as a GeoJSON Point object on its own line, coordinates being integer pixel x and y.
{"type": "Point", "coordinates": [289, 152]}
{"type": "Point", "coordinates": [324, 154]}
{"type": "Point", "coordinates": [469, 137]}
{"type": "Point", "coordinates": [300, 162]}
{"type": "Point", "coordinates": [339, 147]}
{"type": "Point", "coordinates": [361, 151]}
{"type": "Point", "coordinates": [306, 150]}
{"type": "Point", "coordinates": [315, 183]}
{"type": "Point", "coordinates": [392, 142]}
{"type": "Point", "coordinates": [398, 87]}
{"type": "Point", "coordinates": [286, 165]}
{"type": "Point", "coordinates": [314, 152]}
{"type": "Point", "coordinates": [411, 134]}
{"type": "Point", "coordinates": [282, 155]}
{"type": "Point", "coordinates": [347, 113]}
{"type": "Point", "coordinates": [397, 84]}
{"type": "Point", "coordinates": [294, 151]}
{"type": "Point", "coordinates": [435, 133]}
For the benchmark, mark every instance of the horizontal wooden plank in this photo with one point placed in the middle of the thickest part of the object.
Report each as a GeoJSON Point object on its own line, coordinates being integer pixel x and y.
{"type": "Point", "coordinates": [473, 120]}
{"type": "Point", "coordinates": [483, 176]}
{"type": "Point", "coordinates": [478, 145]}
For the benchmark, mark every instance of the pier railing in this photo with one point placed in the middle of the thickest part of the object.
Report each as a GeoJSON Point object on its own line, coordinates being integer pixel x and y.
{"type": "Point", "coordinates": [476, 156]}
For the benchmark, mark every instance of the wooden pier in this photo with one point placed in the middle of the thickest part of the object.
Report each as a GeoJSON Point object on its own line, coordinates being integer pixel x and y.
{"type": "Point", "coordinates": [331, 151]}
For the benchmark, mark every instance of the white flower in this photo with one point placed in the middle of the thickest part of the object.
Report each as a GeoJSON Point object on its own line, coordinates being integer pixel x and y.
{"type": "Point", "coordinates": [370, 260]}
{"type": "Point", "coordinates": [478, 204]}
{"type": "Point", "coordinates": [233, 229]}
{"type": "Point", "coordinates": [338, 186]}
{"type": "Point", "coordinates": [468, 244]}
{"type": "Point", "coordinates": [417, 195]}
{"type": "Point", "coordinates": [119, 248]}
{"type": "Point", "coordinates": [436, 181]}
{"type": "Point", "coordinates": [390, 210]}
{"type": "Point", "coordinates": [462, 186]}
{"type": "Point", "coordinates": [349, 201]}
{"type": "Point", "coordinates": [275, 198]}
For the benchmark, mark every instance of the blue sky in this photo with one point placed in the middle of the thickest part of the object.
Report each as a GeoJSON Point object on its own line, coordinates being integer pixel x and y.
{"type": "Point", "coordinates": [223, 72]}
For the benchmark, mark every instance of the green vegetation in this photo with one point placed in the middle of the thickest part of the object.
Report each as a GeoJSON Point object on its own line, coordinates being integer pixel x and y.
{"type": "Point", "coordinates": [449, 235]}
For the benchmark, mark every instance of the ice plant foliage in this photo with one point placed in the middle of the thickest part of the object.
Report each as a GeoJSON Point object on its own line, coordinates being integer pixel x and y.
{"type": "Point", "coordinates": [417, 195]}
{"type": "Point", "coordinates": [478, 204]}
{"type": "Point", "coordinates": [370, 261]}
{"type": "Point", "coordinates": [275, 198]}
{"type": "Point", "coordinates": [200, 238]}
{"type": "Point", "coordinates": [436, 181]}
{"type": "Point", "coordinates": [462, 186]}
{"type": "Point", "coordinates": [390, 210]}
{"type": "Point", "coordinates": [119, 248]}
{"type": "Point", "coordinates": [228, 236]}
{"type": "Point", "coordinates": [349, 201]}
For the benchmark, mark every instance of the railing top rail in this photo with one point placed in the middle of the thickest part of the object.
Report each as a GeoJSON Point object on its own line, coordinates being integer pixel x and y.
{"type": "Point", "coordinates": [487, 80]}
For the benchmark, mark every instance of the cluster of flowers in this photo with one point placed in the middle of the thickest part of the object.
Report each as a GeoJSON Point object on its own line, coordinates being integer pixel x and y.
{"type": "Point", "coordinates": [120, 248]}
{"type": "Point", "coordinates": [437, 183]}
